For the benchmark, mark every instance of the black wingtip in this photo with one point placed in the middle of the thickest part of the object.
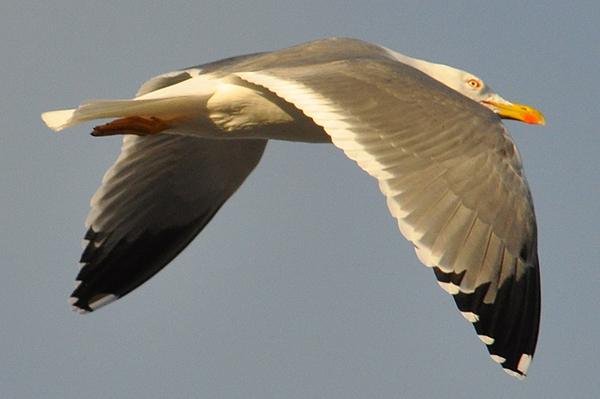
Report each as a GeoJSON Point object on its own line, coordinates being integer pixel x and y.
{"type": "Point", "coordinates": [86, 306]}
{"type": "Point", "coordinates": [509, 326]}
{"type": "Point", "coordinates": [109, 273]}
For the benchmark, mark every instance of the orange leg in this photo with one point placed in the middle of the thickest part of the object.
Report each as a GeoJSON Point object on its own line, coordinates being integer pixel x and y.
{"type": "Point", "coordinates": [132, 125]}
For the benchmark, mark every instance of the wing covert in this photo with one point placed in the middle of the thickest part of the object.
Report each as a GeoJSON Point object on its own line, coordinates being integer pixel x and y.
{"type": "Point", "coordinates": [452, 178]}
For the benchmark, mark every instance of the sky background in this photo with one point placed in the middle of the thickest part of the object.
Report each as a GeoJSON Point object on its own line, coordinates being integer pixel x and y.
{"type": "Point", "coordinates": [302, 285]}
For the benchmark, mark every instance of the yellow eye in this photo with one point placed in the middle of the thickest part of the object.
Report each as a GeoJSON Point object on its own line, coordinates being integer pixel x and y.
{"type": "Point", "coordinates": [474, 83]}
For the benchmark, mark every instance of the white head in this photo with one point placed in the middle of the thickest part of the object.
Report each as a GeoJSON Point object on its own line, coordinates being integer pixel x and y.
{"type": "Point", "coordinates": [474, 88]}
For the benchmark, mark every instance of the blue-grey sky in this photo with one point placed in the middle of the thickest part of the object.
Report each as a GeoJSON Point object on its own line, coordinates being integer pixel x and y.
{"type": "Point", "coordinates": [301, 286]}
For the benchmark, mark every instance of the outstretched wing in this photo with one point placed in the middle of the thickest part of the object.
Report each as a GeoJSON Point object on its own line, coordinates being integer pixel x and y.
{"type": "Point", "coordinates": [446, 164]}
{"type": "Point", "coordinates": [452, 178]}
{"type": "Point", "coordinates": [154, 200]}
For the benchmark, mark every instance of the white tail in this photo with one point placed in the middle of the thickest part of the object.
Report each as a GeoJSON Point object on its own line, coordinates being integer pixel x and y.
{"type": "Point", "coordinates": [98, 109]}
{"type": "Point", "coordinates": [58, 120]}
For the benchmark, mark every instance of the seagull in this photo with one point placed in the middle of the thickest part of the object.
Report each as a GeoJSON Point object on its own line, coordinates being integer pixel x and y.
{"type": "Point", "coordinates": [432, 135]}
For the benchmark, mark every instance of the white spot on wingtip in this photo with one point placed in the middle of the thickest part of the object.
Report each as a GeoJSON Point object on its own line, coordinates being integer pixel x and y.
{"type": "Point", "coordinates": [78, 310]}
{"type": "Point", "coordinates": [74, 308]}
{"type": "Point", "coordinates": [515, 374]}
{"type": "Point", "coordinates": [486, 340]}
{"type": "Point", "coordinates": [524, 363]}
{"type": "Point", "coordinates": [498, 359]}
{"type": "Point", "coordinates": [472, 317]}
{"type": "Point", "coordinates": [449, 288]}
{"type": "Point", "coordinates": [103, 301]}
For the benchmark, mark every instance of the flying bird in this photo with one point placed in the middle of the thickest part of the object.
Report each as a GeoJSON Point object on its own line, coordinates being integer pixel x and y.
{"type": "Point", "coordinates": [431, 134]}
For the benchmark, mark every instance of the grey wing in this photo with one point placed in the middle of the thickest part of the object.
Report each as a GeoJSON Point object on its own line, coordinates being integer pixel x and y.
{"type": "Point", "coordinates": [167, 79]}
{"type": "Point", "coordinates": [452, 178]}
{"type": "Point", "coordinates": [154, 200]}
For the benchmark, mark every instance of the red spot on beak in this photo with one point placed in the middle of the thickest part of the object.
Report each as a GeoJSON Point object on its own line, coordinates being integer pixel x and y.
{"type": "Point", "coordinates": [532, 118]}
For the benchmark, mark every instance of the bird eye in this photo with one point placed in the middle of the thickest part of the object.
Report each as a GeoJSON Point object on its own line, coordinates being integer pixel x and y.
{"type": "Point", "coordinates": [474, 83]}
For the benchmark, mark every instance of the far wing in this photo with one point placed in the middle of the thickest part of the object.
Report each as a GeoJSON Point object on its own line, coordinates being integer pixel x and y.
{"type": "Point", "coordinates": [154, 200]}
{"type": "Point", "coordinates": [452, 178]}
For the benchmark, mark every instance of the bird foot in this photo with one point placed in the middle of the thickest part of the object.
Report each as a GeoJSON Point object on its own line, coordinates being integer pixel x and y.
{"type": "Point", "coordinates": [132, 125]}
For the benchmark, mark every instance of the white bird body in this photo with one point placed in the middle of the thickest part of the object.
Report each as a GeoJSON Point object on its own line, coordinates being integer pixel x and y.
{"type": "Point", "coordinates": [429, 133]}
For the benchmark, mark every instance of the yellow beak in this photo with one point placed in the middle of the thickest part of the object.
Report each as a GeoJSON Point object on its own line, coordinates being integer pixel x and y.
{"type": "Point", "coordinates": [519, 112]}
